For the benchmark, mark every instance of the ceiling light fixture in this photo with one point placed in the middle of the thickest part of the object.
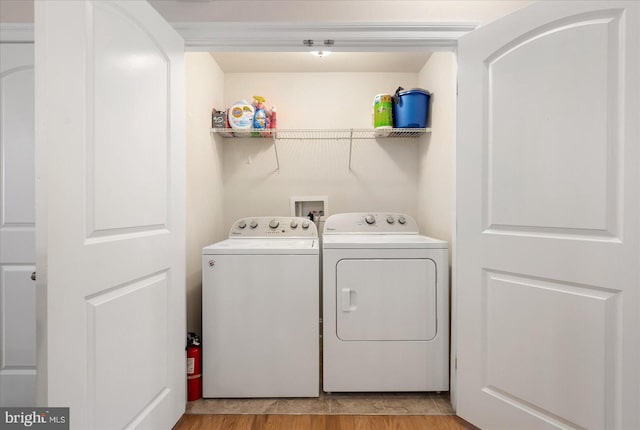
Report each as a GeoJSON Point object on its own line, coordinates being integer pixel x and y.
{"type": "Point", "coordinates": [320, 53]}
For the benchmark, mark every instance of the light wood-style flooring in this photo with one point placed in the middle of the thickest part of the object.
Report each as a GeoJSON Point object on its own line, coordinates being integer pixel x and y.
{"type": "Point", "coordinates": [330, 404]}
{"type": "Point", "coordinates": [322, 422]}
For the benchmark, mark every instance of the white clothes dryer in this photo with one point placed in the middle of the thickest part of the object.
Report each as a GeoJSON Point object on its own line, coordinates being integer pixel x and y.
{"type": "Point", "coordinates": [260, 310]}
{"type": "Point", "coordinates": [385, 305]}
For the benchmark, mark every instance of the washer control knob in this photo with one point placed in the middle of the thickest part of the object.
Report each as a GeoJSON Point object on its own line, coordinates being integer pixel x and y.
{"type": "Point", "coordinates": [242, 224]}
{"type": "Point", "coordinates": [370, 219]}
{"type": "Point", "coordinates": [390, 220]}
{"type": "Point", "coordinates": [305, 224]}
{"type": "Point", "coordinates": [294, 224]}
{"type": "Point", "coordinates": [402, 220]}
{"type": "Point", "coordinates": [274, 223]}
{"type": "Point", "coordinates": [253, 223]}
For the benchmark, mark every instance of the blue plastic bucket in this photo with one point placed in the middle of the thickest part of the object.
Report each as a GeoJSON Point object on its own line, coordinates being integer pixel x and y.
{"type": "Point", "coordinates": [410, 108]}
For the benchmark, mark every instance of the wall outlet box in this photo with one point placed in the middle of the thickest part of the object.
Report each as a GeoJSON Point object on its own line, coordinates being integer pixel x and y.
{"type": "Point", "coordinates": [312, 207]}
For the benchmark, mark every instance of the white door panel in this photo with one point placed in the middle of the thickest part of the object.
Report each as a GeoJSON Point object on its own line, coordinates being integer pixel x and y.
{"type": "Point", "coordinates": [110, 207]}
{"type": "Point", "coordinates": [17, 138]}
{"type": "Point", "coordinates": [18, 309]}
{"type": "Point", "coordinates": [531, 142]}
{"type": "Point", "coordinates": [17, 232]}
{"type": "Point", "coordinates": [124, 63]}
{"type": "Point", "coordinates": [547, 253]}
{"type": "Point", "coordinates": [567, 345]}
{"type": "Point", "coordinates": [18, 316]}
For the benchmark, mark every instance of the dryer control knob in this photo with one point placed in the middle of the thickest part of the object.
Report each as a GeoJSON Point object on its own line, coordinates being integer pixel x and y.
{"type": "Point", "coordinates": [305, 224]}
{"type": "Point", "coordinates": [370, 219]}
{"type": "Point", "coordinates": [402, 220]}
{"type": "Point", "coordinates": [274, 223]}
{"type": "Point", "coordinates": [253, 223]}
{"type": "Point", "coordinates": [390, 219]}
{"type": "Point", "coordinates": [242, 224]}
{"type": "Point", "coordinates": [294, 224]}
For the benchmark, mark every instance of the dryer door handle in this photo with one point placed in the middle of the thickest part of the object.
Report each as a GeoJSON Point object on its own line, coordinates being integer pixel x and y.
{"type": "Point", "coordinates": [348, 300]}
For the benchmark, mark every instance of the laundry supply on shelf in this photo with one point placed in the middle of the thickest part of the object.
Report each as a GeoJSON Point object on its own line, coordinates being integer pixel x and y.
{"type": "Point", "coordinates": [260, 116]}
{"type": "Point", "coordinates": [382, 111]}
{"type": "Point", "coordinates": [241, 116]}
{"type": "Point", "coordinates": [218, 118]}
{"type": "Point", "coordinates": [411, 108]}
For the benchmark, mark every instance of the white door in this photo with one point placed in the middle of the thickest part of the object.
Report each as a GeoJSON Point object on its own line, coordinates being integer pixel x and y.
{"type": "Point", "coordinates": [17, 228]}
{"type": "Point", "coordinates": [548, 219]}
{"type": "Point", "coordinates": [110, 232]}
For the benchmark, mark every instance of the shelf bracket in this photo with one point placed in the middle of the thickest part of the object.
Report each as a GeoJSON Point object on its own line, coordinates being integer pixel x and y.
{"type": "Point", "coordinates": [350, 147]}
{"type": "Point", "coordinates": [275, 149]}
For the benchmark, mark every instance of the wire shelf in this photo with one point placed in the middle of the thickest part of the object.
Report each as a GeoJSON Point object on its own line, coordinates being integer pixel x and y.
{"type": "Point", "coordinates": [322, 134]}
{"type": "Point", "coordinates": [348, 134]}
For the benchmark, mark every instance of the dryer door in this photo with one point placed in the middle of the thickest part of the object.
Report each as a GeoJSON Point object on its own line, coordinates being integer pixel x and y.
{"type": "Point", "coordinates": [386, 299]}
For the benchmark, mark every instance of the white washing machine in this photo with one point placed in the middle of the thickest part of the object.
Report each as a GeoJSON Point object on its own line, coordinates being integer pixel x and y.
{"type": "Point", "coordinates": [385, 305]}
{"type": "Point", "coordinates": [260, 293]}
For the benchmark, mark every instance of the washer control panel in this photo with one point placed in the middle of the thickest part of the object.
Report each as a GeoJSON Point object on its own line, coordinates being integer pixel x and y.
{"type": "Point", "coordinates": [273, 227]}
{"type": "Point", "coordinates": [370, 223]}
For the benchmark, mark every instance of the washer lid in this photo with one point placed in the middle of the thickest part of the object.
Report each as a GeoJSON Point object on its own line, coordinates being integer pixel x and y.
{"type": "Point", "coordinates": [390, 241]}
{"type": "Point", "coordinates": [263, 246]}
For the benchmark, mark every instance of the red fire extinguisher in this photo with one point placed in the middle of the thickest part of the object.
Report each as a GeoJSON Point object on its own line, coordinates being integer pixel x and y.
{"type": "Point", "coordinates": [194, 366]}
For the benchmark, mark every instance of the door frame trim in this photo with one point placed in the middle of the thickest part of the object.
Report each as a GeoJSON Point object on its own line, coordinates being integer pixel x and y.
{"type": "Point", "coordinates": [288, 37]}
{"type": "Point", "coordinates": [228, 37]}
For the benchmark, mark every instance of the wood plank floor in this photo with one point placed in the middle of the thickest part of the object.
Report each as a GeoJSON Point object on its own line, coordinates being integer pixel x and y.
{"type": "Point", "coordinates": [322, 422]}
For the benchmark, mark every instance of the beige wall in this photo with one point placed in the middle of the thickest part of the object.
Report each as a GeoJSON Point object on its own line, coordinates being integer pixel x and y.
{"type": "Point", "coordinates": [435, 187]}
{"type": "Point", "coordinates": [384, 174]}
{"type": "Point", "coordinates": [204, 89]}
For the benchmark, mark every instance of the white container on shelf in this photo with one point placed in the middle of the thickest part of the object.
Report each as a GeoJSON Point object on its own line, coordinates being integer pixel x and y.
{"type": "Point", "coordinates": [241, 116]}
